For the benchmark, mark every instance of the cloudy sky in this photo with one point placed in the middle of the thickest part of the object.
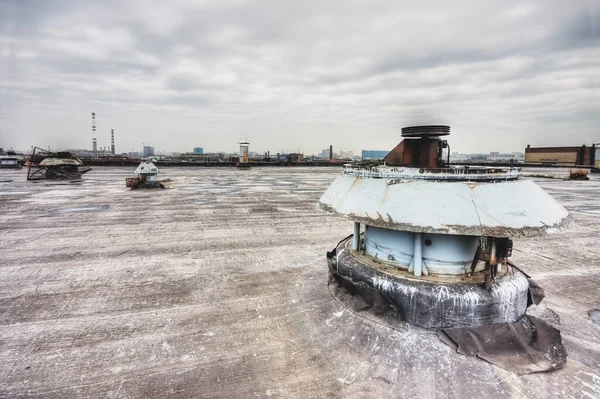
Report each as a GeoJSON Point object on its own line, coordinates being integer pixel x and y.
{"type": "Point", "coordinates": [298, 75]}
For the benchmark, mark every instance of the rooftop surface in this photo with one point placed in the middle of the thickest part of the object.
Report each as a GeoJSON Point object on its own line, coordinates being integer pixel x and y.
{"type": "Point", "coordinates": [217, 287]}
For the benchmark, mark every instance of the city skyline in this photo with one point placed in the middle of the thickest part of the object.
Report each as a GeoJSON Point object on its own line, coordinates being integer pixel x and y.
{"type": "Point", "coordinates": [337, 152]}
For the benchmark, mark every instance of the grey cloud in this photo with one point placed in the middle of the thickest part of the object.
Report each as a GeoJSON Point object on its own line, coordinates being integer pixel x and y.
{"type": "Point", "coordinates": [23, 17]}
{"type": "Point", "coordinates": [349, 73]}
{"type": "Point", "coordinates": [583, 30]}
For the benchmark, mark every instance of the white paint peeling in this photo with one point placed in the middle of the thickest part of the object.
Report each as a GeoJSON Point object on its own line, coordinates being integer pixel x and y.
{"type": "Point", "coordinates": [511, 295]}
{"type": "Point", "coordinates": [387, 285]}
{"type": "Point", "coordinates": [471, 174]}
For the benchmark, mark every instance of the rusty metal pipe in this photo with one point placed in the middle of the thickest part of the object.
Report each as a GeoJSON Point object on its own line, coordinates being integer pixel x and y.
{"type": "Point", "coordinates": [493, 260]}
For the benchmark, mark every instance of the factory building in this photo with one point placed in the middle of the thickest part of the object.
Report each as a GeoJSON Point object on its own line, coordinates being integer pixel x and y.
{"type": "Point", "coordinates": [87, 154]}
{"type": "Point", "coordinates": [148, 151]}
{"type": "Point", "coordinates": [98, 152]}
{"type": "Point", "coordinates": [327, 153]}
{"type": "Point", "coordinates": [291, 158]}
{"type": "Point", "coordinates": [565, 156]}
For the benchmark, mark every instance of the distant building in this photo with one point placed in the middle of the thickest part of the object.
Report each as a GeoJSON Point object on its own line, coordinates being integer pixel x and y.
{"type": "Point", "coordinates": [497, 156]}
{"type": "Point", "coordinates": [148, 151]}
{"type": "Point", "coordinates": [567, 156]}
{"type": "Point", "coordinates": [190, 157]}
{"type": "Point", "coordinates": [295, 157]}
{"type": "Point", "coordinates": [477, 157]}
{"type": "Point", "coordinates": [458, 157]}
{"type": "Point", "coordinates": [345, 154]}
{"type": "Point", "coordinates": [198, 150]}
{"type": "Point", "coordinates": [84, 153]}
{"type": "Point", "coordinates": [509, 157]}
{"type": "Point", "coordinates": [374, 154]}
{"type": "Point", "coordinates": [291, 158]}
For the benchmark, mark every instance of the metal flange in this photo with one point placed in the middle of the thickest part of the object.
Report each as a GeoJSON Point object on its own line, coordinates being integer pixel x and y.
{"type": "Point", "coordinates": [426, 131]}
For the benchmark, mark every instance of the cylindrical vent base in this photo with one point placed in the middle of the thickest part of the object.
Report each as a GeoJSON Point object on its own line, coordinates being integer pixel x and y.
{"type": "Point", "coordinates": [432, 304]}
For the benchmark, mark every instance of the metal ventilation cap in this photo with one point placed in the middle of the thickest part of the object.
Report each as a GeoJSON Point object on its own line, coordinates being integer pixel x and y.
{"type": "Point", "coordinates": [146, 168]}
{"type": "Point", "coordinates": [517, 208]}
{"type": "Point", "coordinates": [426, 131]}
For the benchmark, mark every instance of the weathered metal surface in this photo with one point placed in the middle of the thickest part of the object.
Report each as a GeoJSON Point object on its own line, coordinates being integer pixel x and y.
{"type": "Point", "coordinates": [391, 246]}
{"type": "Point", "coordinates": [440, 305]}
{"type": "Point", "coordinates": [426, 131]}
{"type": "Point", "coordinates": [397, 174]}
{"type": "Point", "coordinates": [146, 168]}
{"type": "Point", "coordinates": [61, 161]}
{"type": "Point", "coordinates": [445, 254]}
{"type": "Point", "coordinates": [516, 208]}
{"type": "Point", "coordinates": [441, 254]}
{"type": "Point", "coordinates": [244, 146]}
{"type": "Point", "coordinates": [422, 153]}
{"type": "Point", "coordinates": [578, 174]}
{"type": "Point", "coordinates": [55, 166]}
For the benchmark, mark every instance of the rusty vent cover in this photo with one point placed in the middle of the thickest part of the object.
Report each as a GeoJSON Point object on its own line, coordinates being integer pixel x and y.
{"type": "Point", "coordinates": [426, 131]}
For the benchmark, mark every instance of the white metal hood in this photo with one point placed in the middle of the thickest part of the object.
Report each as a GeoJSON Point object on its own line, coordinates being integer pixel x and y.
{"type": "Point", "coordinates": [518, 208]}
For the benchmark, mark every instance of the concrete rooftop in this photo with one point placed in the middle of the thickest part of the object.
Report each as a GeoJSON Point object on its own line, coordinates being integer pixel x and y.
{"type": "Point", "coordinates": [217, 287]}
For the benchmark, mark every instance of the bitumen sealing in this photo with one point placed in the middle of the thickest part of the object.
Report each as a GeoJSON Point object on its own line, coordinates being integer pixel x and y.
{"type": "Point", "coordinates": [217, 287]}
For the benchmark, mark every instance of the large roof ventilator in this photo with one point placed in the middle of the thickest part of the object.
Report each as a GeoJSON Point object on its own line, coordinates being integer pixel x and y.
{"type": "Point", "coordinates": [433, 241]}
{"type": "Point", "coordinates": [147, 177]}
{"type": "Point", "coordinates": [47, 165]}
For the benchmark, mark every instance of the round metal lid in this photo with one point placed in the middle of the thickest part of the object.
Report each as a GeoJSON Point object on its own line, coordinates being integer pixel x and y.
{"type": "Point", "coordinates": [426, 131]}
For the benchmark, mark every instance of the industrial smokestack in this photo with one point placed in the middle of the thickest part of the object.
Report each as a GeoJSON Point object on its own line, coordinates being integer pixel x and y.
{"type": "Point", "coordinates": [330, 152]}
{"type": "Point", "coordinates": [94, 144]}
{"type": "Point", "coordinates": [112, 141]}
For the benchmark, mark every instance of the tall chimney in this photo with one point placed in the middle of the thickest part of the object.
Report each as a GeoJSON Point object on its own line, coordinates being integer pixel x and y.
{"type": "Point", "coordinates": [330, 152]}
{"type": "Point", "coordinates": [112, 141]}
{"type": "Point", "coordinates": [94, 144]}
